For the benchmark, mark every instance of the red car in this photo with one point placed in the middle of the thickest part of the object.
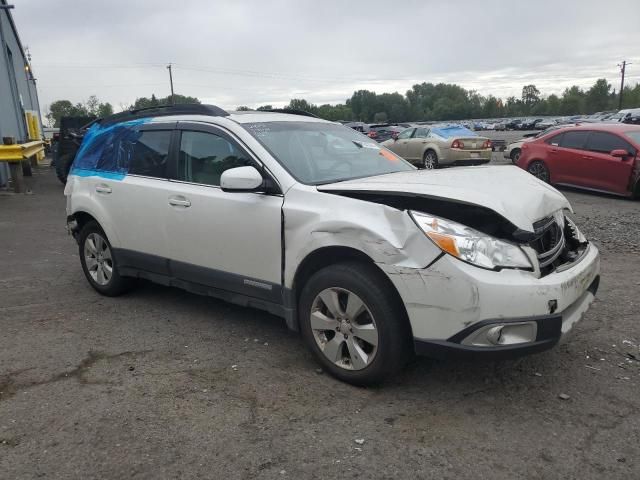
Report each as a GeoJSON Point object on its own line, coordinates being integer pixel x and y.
{"type": "Point", "coordinates": [603, 157]}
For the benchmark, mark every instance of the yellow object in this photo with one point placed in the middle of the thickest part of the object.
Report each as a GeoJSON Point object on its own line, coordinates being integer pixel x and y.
{"type": "Point", "coordinates": [33, 127]}
{"type": "Point", "coordinates": [445, 242]}
{"type": "Point", "coordinates": [20, 152]}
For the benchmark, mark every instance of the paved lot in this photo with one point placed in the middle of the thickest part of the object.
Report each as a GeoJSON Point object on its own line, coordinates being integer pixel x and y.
{"type": "Point", "coordinates": [164, 384]}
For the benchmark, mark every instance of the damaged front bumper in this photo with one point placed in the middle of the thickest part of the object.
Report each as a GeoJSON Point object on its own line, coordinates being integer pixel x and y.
{"type": "Point", "coordinates": [459, 310]}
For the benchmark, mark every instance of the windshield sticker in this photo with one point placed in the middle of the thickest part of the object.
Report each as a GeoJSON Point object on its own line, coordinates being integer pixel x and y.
{"type": "Point", "coordinates": [372, 146]}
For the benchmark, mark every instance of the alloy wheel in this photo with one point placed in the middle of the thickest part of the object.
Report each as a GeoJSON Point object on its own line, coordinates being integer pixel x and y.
{"type": "Point", "coordinates": [516, 157]}
{"type": "Point", "coordinates": [344, 328]}
{"type": "Point", "coordinates": [98, 258]}
{"type": "Point", "coordinates": [538, 170]}
{"type": "Point", "coordinates": [430, 161]}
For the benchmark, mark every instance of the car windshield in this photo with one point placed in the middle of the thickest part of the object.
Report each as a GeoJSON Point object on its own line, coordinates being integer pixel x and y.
{"type": "Point", "coordinates": [633, 135]}
{"type": "Point", "coordinates": [316, 153]}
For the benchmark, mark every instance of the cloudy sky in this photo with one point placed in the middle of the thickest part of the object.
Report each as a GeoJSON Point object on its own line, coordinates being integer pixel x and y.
{"type": "Point", "coordinates": [246, 52]}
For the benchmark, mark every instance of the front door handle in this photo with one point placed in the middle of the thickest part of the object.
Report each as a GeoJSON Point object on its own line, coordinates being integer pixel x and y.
{"type": "Point", "coordinates": [179, 201]}
{"type": "Point", "coordinates": [102, 188]}
{"type": "Point", "coordinates": [586, 157]}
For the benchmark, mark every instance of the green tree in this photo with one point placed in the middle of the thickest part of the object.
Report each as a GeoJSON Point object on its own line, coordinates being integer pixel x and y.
{"type": "Point", "coordinates": [572, 101]}
{"type": "Point", "coordinates": [362, 104]}
{"type": "Point", "coordinates": [630, 97]}
{"type": "Point", "coordinates": [243, 108]}
{"type": "Point", "coordinates": [530, 96]}
{"type": "Point", "coordinates": [265, 107]}
{"type": "Point", "coordinates": [598, 97]}
{"type": "Point", "coordinates": [145, 102]}
{"type": "Point", "coordinates": [380, 117]}
{"type": "Point", "coordinates": [92, 107]}
{"type": "Point", "coordinates": [492, 108]}
{"type": "Point", "coordinates": [553, 105]}
{"type": "Point", "coordinates": [303, 105]}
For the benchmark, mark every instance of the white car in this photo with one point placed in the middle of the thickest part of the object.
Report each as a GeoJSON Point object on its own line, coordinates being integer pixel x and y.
{"type": "Point", "coordinates": [369, 258]}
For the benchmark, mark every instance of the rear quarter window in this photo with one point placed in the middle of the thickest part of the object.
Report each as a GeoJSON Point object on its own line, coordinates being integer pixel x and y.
{"type": "Point", "coordinates": [554, 140]}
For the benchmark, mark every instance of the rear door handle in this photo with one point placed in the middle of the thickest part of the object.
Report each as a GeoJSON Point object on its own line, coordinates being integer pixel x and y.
{"type": "Point", "coordinates": [102, 188]}
{"type": "Point", "coordinates": [179, 201]}
{"type": "Point", "coordinates": [586, 157]}
{"type": "Point", "coordinates": [553, 150]}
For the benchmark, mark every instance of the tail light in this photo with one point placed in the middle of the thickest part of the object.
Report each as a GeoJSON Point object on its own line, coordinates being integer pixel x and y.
{"type": "Point", "coordinates": [457, 144]}
{"type": "Point", "coordinates": [372, 134]}
{"type": "Point", "coordinates": [486, 144]}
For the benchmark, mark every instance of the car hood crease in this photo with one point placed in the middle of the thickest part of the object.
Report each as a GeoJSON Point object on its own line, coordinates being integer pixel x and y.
{"type": "Point", "coordinates": [507, 190]}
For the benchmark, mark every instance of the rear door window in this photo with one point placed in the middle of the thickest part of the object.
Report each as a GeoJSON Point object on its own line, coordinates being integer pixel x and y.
{"type": "Point", "coordinates": [148, 153]}
{"type": "Point", "coordinates": [576, 140]}
{"type": "Point", "coordinates": [603, 142]}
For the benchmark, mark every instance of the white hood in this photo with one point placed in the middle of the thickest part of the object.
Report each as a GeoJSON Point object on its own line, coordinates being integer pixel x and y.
{"type": "Point", "coordinates": [507, 190]}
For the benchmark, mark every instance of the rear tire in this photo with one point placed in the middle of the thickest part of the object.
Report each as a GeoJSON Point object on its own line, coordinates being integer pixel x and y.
{"type": "Point", "coordinates": [538, 169]}
{"type": "Point", "coordinates": [99, 262]}
{"type": "Point", "coordinates": [353, 324]}
{"type": "Point", "coordinates": [515, 155]}
{"type": "Point", "coordinates": [430, 160]}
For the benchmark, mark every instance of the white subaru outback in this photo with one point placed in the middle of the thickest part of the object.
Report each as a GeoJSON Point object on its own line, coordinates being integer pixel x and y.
{"type": "Point", "coordinates": [369, 258]}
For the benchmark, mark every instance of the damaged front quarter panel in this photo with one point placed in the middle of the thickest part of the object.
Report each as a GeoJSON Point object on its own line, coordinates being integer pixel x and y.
{"type": "Point", "coordinates": [385, 234]}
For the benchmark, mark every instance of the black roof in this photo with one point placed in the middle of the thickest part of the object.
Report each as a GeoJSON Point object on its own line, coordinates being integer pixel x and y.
{"type": "Point", "coordinates": [164, 110]}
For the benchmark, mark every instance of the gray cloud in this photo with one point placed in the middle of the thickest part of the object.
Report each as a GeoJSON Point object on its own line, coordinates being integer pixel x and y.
{"type": "Point", "coordinates": [257, 52]}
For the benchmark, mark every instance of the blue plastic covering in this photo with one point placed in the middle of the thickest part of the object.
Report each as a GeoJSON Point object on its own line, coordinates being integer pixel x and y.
{"type": "Point", "coordinates": [105, 150]}
{"type": "Point", "coordinates": [453, 131]}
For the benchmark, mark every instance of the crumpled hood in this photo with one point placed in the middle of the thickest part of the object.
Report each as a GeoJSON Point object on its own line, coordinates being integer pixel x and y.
{"type": "Point", "coordinates": [507, 190]}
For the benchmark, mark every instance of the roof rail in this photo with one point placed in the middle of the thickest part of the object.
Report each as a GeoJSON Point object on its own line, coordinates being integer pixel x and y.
{"type": "Point", "coordinates": [292, 111]}
{"type": "Point", "coordinates": [164, 110]}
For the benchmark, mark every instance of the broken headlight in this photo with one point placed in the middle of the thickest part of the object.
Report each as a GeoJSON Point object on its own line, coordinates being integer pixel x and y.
{"type": "Point", "coordinates": [471, 245]}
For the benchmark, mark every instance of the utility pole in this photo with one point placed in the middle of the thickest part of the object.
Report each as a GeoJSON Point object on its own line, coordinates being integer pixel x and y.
{"type": "Point", "coordinates": [171, 82]}
{"type": "Point", "coordinates": [623, 67]}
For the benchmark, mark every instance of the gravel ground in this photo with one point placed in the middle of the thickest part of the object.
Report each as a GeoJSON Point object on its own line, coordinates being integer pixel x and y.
{"type": "Point", "coordinates": [164, 384]}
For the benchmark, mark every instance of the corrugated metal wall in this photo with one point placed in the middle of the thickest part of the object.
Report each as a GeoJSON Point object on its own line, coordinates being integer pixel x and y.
{"type": "Point", "coordinates": [17, 91]}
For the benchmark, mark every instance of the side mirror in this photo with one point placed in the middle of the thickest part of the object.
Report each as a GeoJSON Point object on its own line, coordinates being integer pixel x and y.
{"type": "Point", "coordinates": [619, 152]}
{"type": "Point", "coordinates": [240, 179]}
{"type": "Point", "coordinates": [394, 135]}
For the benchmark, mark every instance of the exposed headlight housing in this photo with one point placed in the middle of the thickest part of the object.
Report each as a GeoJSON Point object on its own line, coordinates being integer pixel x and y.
{"type": "Point", "coordinates": [471, 245]}
{"type": "Point", "coordinates": [577, 234]}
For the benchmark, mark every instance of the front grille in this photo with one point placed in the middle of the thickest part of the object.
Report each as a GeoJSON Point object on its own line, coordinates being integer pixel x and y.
{"type": "Point", "coordinates": [556, 243]}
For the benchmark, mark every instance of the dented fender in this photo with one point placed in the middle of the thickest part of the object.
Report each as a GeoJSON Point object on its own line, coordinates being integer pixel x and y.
{"type": "Point", "coordinates": [386, 235]}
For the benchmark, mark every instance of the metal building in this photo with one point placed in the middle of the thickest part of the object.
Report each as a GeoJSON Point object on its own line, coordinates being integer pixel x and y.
{"type": "Point", "coordinates": [18, 95]}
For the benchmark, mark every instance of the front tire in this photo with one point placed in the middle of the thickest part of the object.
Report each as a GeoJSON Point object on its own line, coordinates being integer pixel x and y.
{"type": "Point", "coordinates": [515, 155]}
{"type": "Point", "coordinates": [354, 324]}
{"type": "Point", "coordinates": [539, 170]}
{"type": "Point", "coordinates": [99, 263]}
